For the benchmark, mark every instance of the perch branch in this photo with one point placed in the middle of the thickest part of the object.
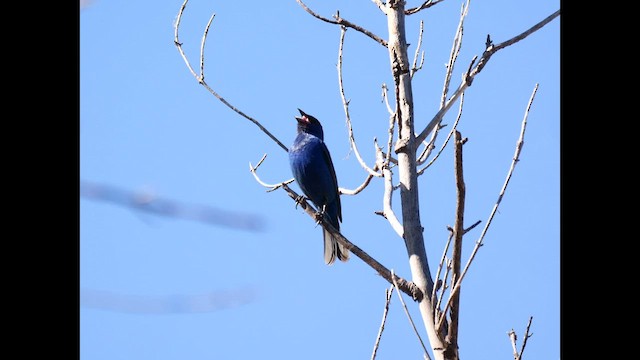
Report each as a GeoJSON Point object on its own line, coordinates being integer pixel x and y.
{"type": "Point", "coordinates": [200, 78]}
{"type": "Point", "coordinates": [406, 286]}
{"type": "Point", "coordinates": [340, 21]}
{"type": "Point", "coordinates": [516, 158]}
{"type": "Point", "coordinates": [470, 75]}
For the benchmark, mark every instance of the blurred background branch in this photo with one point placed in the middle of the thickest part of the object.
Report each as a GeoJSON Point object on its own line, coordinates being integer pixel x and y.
{"type": "Point", "coordinates": [165, 304]}
{"type": "Point", "coordinates": [149, 202]}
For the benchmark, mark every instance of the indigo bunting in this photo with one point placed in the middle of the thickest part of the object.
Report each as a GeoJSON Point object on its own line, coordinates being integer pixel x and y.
{"type": "Point", "coordinates": [313, 171]}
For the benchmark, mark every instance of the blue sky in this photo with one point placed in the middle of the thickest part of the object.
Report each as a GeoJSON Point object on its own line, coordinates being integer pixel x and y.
{"type": "Point", "coordinates": [155, 287]}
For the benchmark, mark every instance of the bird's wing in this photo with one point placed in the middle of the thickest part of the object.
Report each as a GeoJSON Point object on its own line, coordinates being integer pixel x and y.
{"type": "Point", "coordinates": [332, 171]}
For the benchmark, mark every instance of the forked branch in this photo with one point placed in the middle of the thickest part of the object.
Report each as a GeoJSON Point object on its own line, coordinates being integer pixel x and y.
{"type": "Point", "coordinates": [517, 355]}
{"type": "Point", "coordinates": [340, 21]}
{"type": "Point", "coordinates": [345, 104]}
{"type": "Point", "coordinates": [516, 158]}
{"type": "Point", "coordinates": [473, 71]}
{"type": "Point", "coordinates": [200, 77]}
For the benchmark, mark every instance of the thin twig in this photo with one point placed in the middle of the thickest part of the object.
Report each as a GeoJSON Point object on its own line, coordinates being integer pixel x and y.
{"type": "Point", "coordinates": [179, 44]}
{"type": "Point", "coordinates": [440, 266]}
{"type": "Point", "coordinates": [427, 4]}
{"type": "Point", "coordinates": [340, 21]}
{"type": "Point", "coordinates": [404, 306]}
{"type": "Point", "coordinates": [414, 67]}
{"type": "Point", "coordinates": [200, 78]}
{"type": "Point", "coordinates": [357, 190]}
{"type": "Point", "coordinates": [516, 158]}
{"type": "Point", "coordinates": [385, 98]}
{"type": "Point", "coordinates": [345, 105]}
{"type": "Point", "coordinates": [388, 293]}
{"type": "Point", "coordinates": [392, 123]}
{"type": "Point", "coordinates": [204, 39]}
{"type": "Point", "coordinates": [446, 141]}
{"type": "Point", "coordinates": [527, 335]}
{"type": "Point", "coordinates": [453, 57]}
{"type": "Point", "coordinates": [388, 212]}
{"type": "Point", "coordinates": [468, 79]}
{"type": "Point", "coordinates": [271, 187]}
{"type": "Point", "coordinates": [455, 51]}
{"type": "Point", "coordinates": [447, 271]}
{"type": "Point", "coordinates": [513, 337]}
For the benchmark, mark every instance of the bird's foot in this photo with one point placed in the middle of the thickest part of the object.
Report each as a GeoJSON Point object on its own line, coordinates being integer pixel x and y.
{"type": "Point", "coordinates": [319, 215]}
{"type": "Point", "coordinates": [299, 200]}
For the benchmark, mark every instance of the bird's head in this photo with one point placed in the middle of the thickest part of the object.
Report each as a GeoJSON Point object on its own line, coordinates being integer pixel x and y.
{"type": "Point", "coordinates": [309, 125]}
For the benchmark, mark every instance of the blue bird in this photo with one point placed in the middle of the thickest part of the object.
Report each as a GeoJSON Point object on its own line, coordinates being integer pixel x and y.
{"type": "Point", "coordinates": [313, 171]}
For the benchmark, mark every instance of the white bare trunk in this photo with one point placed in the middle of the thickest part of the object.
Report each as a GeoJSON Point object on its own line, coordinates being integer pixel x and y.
{"type": "Point", "coordinates": [406, 152]}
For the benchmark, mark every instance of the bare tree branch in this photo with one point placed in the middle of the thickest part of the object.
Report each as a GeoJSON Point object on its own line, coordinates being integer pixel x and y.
{"type": "Point", "coordinates": [271, 187]}
{"type": "Point", "coordinates": [392, 123]}
{"type": "Point", "coordinates": [345, 104]}
{"type": "Point", "coordinates": [388, 293]}
{"type": "Point", "coordinates": [516, 158]}
{"type": "Point", "coordinates": [357, 190]}
{"type": "Point", "coordinates": [414, 67]}
{"type": "Point", "coordinates": [405, 148]}
{"type": "Point", "coordinates": [468, 79]}
{"type": "Point", "coordinates": [150, 203]}
{"type": "Point", "coordinates": [441, 264]}
{"type": "Point", "coordinates": [427, 4]}
{"type": "Point", "coordinates": [512, 335]}
{"type": "Point", "coordinates": [453, 56]}
{"type": "Point", "coordinates": [445, 277]}
{"type": "Point", "coordinates": [200, 77]}
{"type": "Point", "coordinates": [388, 212]}
{"type": "Point", "coordinates": [458, 232]}
{"type": "Point", "coordinates": [406, 286]}
{"type": "Point", "coordinates": [404, 306]}
{"type": "Point", "coordinates": [340, 21]}
{"type": "Point", "coordinates": [446, 141]}
{"type": "Point", "coordinates": [380, 6]}
{"type": "Point", "coordinates": [385, 98]}
{"type": "Point", "coordinates": [455, 51]}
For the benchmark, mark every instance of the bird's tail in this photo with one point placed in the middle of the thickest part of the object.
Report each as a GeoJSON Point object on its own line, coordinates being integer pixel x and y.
{"type": "Point", "coordinates": [333, 249]}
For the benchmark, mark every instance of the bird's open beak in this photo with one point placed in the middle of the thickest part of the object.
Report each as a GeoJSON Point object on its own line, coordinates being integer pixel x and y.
{"type": "Point", "coordinates": [303, 117]}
